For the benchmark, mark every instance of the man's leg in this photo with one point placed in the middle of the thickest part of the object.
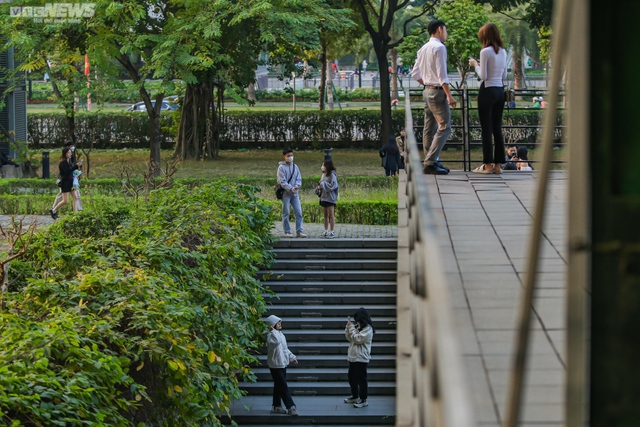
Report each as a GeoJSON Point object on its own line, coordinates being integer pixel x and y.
{"type": "Point", "coordinates": [286, 201]}
{"type": "Point", "coordinates": [430, 126]}
{"type": "Point", "coordinates": [297, 210]}
{"type": "Point", "coordinates": [437, 102]}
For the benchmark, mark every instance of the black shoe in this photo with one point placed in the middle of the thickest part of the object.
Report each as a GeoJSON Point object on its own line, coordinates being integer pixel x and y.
{"type": "Point", "coordinates": [434, 170]}
{"type": "Point", "coordinates": [444, 167]}
{"type": "Point", "coordinates": [54, 215]}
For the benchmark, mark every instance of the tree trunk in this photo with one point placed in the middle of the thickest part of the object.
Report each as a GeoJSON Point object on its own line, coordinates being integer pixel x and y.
{"type": "Point", "coordinates": [518, 72]}
{"type": "Point", "coordinates": [323, 75]}
{"type": "Point", "coordinates": [385, 92]}
{"type": "Point", "coordinates": [154, 126]}
{"type": "Point", "coordinates": [251, 94]}
{"type": "Point", "coordinates": [393, 55]}
{"type": "Point", "coordinates": [199, 130]}
{"type": "Point", "coordinates": [329, 89]}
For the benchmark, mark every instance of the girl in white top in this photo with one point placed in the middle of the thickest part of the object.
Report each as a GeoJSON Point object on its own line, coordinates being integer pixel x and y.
{"type": "Point", "coordinates": [492, 70]}
{"type": "Point", "coordinates": [360, 335]}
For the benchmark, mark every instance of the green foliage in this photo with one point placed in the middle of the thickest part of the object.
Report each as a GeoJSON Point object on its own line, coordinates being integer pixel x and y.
{"type": "Point", "coordinates": [147, 315]}
{"type": "Point", "coordinates": [463, 18]}
{"type": "Point", "coordinates": [103, 130]}
{"type": "Point", "coordinates": [323, 129]}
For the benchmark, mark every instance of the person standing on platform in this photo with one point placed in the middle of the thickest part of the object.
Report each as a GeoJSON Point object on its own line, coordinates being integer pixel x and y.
{"type": "Point", "coordinates": [290, 179]}
{"type": "Point", "coordinates": [430, 70]}
{"type": "Point", "coordinates": [492, 70]}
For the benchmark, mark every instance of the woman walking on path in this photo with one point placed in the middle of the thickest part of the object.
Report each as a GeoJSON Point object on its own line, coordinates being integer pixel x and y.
{"type": "Point", "coordinates": [359, 333]}
{"type": "Point", "coordinates": [278, 358]}
{"type": "Point", "coordinates": [492, 70]}
{"type": "Point", "coordinates": [66, 168]}
{"type": "Point", "coordinates": [328, 189]}
{"type": "Point", "coordinates": [390, 154]}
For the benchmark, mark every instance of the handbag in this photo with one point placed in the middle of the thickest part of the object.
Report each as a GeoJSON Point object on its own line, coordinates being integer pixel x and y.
{"type": "Point", "coordinates": [318, 191]}
{"type": "Point", "coordinates": [280, 188]}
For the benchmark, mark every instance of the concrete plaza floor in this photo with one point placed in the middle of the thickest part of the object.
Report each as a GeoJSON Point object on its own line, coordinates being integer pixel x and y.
{"type": "Point", "coordinates": [484, 224]}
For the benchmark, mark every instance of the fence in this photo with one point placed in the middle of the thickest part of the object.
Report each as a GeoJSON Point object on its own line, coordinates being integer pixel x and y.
{"type": "Point", "coordinates": [431, 390]}
{"type": "Point", "coordinates": [466, 133]}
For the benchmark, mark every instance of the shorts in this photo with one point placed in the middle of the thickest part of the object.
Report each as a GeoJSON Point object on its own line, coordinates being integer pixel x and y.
{"type": "Point", "coordinates": [326, 204]}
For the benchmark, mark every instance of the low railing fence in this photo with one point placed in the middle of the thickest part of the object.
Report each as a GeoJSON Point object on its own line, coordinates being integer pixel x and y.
{"type": "Point", "coordinates": [521, 124]}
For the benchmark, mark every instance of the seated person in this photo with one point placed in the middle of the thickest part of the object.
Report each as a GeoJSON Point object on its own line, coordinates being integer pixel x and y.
{"type": "Point", "coordinates": [523, 157]}
{"type": "Point", "coordinates": [511, 158]}
{"type": "Point", "coordinates": [536, 102]}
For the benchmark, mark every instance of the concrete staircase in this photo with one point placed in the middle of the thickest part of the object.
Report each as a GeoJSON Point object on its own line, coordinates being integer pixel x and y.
{"type": "Point", "coordinates": [317, 283]}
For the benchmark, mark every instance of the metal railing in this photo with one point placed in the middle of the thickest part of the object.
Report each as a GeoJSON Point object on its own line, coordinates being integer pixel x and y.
{"type": "Point", "coordinates": [466, 131]}
{"type": "Point", "coordinates": [431, 387]}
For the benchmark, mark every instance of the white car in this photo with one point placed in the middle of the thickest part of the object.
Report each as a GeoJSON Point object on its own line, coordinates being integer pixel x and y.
{"type": "Point", "coordinates": [139, 106]}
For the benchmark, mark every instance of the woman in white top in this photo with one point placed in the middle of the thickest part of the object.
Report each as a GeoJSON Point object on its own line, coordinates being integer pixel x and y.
{"type": "Point", "coordinates": [492, 70]}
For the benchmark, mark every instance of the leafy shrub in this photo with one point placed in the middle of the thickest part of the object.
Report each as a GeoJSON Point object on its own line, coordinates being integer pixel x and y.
{"type": "Point", "coordinates": [146, 316]}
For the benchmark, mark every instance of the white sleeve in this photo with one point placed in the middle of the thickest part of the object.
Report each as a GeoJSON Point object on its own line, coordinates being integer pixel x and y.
{"type": "Point", "coordinates": [441, 65]}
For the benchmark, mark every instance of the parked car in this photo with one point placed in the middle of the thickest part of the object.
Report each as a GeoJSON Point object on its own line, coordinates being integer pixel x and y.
{"type": "Point", "coordinates": [139, 106]}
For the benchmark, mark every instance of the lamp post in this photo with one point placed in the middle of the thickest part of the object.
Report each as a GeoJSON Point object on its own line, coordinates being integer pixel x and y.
{"type": "Point", "coordinates": [293, 77]}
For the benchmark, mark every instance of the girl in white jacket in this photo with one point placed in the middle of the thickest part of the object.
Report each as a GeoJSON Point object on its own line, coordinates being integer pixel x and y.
{"type": "Point", "coordinates": [278, 358]}
{"type": "Point", "coordinates": [359, 334]}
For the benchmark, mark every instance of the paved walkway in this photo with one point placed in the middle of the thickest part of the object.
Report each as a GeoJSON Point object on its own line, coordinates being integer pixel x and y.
{"type": "Point", "coordinates": [484, 232]}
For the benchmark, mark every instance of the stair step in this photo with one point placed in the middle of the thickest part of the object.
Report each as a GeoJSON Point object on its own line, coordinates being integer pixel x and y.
{"type": "Point", "coordinates": [360, 299]}
{"type": "Point", "coordinates": [328, 275]}
{"type": "Point", "coordinates": [329, 286]}
{"type": "Point", "coordinates": [332, 335]}
{"type": "Point", "coordinates": [328, 410]}
{"type": "Point", "coordinates": [336, 243]}
{"type": "Point", "coordinates": [337, 253]}
{"type": "Point", "coordinates": [297, 374]}
{"type": "Point", "coordinates": [306, 388]}
{"type": "Point", "coordinates": [331, 361]}
{"type": "Point", "coordinates": [284, 311]}
{"type": "Point", "coordinates": [332, 323]}
{"type": "Point", "coordinates": [335, 264]}
{"type": "Point", "coordinates": [339, 348]}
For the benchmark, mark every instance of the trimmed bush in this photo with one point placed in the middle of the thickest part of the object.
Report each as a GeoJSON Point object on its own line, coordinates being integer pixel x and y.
{"type": "Point", "coordinates": [142, 316]}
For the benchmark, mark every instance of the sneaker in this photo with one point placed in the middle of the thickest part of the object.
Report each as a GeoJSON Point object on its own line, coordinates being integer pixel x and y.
{"type": "Point", "coordinates": [360, 404]}
{"type": "Point", "coordinates": [54, 214]}
{"type": "Point", "coordinates": [278, 410]}
{"type": "Point", "coordinates": [293, 411]}
{"type": "Point", "coordinates": [350, 399]}
{"type": "Point", "coordinates": [324, 234]}
{"type": "Point", "coordinates": [301, 234]}
{"type": "Point", "coordinates": [288, 235]}
{"type": "Point", "coordinates": [330, 235]}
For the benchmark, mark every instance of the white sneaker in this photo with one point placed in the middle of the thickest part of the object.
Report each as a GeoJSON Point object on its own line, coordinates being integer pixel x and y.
{"type": "Point", "coordinates": [330, 235]}
{"type": "Point", "coordinates": [324, 234]}
{"type": "Point", "coordinates": [278, 410]}
{"type": "Point", "coordinates": [288, 235]}
{"type": "Point", "coordinates": [350, 399]}
{"type": "Point", "coordinates": [300, 234]}
{"type": "Point", "coordinates": [293, 411]}
{"type": "Point", "coordinates": [360, 404]}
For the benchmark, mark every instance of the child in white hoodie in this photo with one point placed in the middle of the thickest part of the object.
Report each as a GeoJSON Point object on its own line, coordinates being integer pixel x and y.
{"type": "Point", "coordinates": [360, 336]}
{"type": "Point", "coordinates": [278, 358]}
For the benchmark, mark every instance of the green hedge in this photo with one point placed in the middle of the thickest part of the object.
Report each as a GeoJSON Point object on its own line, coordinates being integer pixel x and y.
{"type": "Point", "coordinates": [106, 130]}
{"type": "Point", "coordinates": [113, 186]}
{"type": "Point", "coordinates": [361, 212]}
{"type": "Point", "coordinates": [313, 94]}
{"type": "Point", "coordinates": [266, 129]}
{"type": "Point", "coordinates": [138, 316]}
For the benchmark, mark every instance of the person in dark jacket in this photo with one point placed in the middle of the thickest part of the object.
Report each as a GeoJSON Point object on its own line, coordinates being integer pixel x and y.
{"type": "Point", "coordinates": [390, 154]}
{"type": "Point", "coordinates": [66, 168]}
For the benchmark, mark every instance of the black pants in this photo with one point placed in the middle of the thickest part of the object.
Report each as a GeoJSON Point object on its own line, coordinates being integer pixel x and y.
{"type": "Point", "coordinates": [358, 380]}
{"type": "Point", "coordinates": [490, 107]}
{"type": "Point", "coordinates": [281, 391]}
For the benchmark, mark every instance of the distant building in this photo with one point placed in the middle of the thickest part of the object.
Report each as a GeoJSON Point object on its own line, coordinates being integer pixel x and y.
{"type": "Point", "coordinates": [13, 116]}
